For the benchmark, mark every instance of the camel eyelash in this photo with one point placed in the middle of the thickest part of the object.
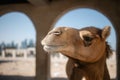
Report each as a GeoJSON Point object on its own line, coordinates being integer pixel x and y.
{"type": "Point", "coordinates": [88, 38]}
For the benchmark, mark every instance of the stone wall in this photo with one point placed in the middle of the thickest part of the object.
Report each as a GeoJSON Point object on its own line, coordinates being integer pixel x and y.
{"type": "Point", "coordinates": [46, 14]}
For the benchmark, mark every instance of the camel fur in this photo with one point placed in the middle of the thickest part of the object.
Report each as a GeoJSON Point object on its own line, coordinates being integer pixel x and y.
{"type": "Point", "coordinates": [86, 49]}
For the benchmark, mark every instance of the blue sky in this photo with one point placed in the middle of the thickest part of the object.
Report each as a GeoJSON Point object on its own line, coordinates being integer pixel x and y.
{"type": "Point", "coordinates": [16, 26]}
{"type": "Point", "coordinates": [83, 17]}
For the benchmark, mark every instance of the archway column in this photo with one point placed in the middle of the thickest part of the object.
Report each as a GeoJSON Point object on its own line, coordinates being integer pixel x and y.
{"type": "Point", "coordinates": [43, 17]}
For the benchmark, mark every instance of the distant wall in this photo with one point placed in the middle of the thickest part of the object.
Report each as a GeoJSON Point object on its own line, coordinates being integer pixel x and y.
{"type": "Point", "coordinates": [14, 54]}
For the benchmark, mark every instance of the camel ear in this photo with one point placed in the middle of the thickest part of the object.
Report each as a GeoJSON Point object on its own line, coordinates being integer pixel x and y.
{"type": "Point", "coordinates": [106, 32]}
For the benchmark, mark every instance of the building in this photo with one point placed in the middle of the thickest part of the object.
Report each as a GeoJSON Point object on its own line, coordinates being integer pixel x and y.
{"type": "Point", "coordinates": [13, 53]}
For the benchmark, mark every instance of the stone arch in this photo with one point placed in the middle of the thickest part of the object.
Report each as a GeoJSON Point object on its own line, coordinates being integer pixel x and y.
{"type": "Point", "coordinates": [49, 11]}
{"type": "Point", "coordinates": [98, 11]}
{"type": "Point", "coordinates": [79, 7]}
{"type": "Point", "coordinates": [26, 18]}
{"type": "Point", "coordinates": [82, 8]}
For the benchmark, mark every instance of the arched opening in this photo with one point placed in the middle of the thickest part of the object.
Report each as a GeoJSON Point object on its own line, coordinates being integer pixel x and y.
{"type": "Point", "coordinates": [83, 17]}
{"type": "Point", "coordinates": [17, 47]}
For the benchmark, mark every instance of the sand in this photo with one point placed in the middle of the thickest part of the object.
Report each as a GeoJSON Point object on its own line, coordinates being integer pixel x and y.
{"type": "Point", "coordinates": [26, 68]}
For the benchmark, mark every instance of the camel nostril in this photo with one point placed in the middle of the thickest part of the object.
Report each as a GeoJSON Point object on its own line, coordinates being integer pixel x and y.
{"type": "Point", "coordinates": [57, 33]}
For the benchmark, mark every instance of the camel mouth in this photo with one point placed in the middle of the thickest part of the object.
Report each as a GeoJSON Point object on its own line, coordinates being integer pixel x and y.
{"type": "Point", "coordinates": [51, 48]}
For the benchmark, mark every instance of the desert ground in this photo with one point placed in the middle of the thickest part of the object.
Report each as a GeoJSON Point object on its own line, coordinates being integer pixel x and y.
{"type": "Point", "coordinates": [25, 69]}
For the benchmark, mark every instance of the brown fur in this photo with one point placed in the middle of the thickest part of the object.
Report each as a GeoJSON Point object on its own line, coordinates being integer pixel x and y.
{"type": "Point", "coordinates": [86, 49]}
{"type": "Point", "coordinates": [76, 69]}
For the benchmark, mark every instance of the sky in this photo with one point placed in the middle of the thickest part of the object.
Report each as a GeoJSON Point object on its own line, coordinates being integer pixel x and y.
{"type": "Point", "coordinates": [84, 17]}
{"type": "Point", "coordinates": [16, 26]}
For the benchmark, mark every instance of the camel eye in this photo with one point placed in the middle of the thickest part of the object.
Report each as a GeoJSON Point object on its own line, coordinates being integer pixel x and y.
{"type": "Point", "coordinates": [88, 38]}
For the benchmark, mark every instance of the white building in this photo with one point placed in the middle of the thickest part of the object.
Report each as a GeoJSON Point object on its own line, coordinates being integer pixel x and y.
{"type": "Point", "coordinates": [18, 53]}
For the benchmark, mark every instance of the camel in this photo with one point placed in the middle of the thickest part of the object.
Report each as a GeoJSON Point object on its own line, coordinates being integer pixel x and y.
{"type": "Point", "coordinates": [86, 49]}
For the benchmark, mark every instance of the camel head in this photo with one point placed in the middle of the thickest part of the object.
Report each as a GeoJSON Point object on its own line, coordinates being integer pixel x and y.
{"type": "Point", "coordinates": [87, 44]}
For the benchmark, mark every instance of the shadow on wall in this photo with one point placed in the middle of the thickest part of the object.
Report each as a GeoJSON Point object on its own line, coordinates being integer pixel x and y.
{"type": "Point", "coordinates": [67, 79]}
{"type": "Point", "coordinates": [27, 78]}
{"type": "Point", "coordinates": [16, 78]}
{"type": "Point", "coordinates": [59, 79]}
{"type": "Point", "coordinates": [5, 77]}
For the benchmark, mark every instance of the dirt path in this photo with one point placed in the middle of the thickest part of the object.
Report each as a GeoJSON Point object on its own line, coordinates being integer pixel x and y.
{"type": "Point", "coordinates": [25, 69]}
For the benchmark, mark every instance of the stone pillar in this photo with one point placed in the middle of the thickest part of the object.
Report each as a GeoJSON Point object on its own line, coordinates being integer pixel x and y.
{"type": "Point", "coordinates": [42, 64]}
{"type": "Point", "coordinates": [43, 15]}
{"type": "Point", "coordinates": [118, 52]}
{"type": "Point", "coordinates": [118, 64]}
{"type": "Point", "coordinates": [25, 52]}
{"type": "Point", "coordinates": [13, 54]}
{"type": "Point", "coordinates": [3, 54]}
{"type": "Point", "coordinates": [42, 58]}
